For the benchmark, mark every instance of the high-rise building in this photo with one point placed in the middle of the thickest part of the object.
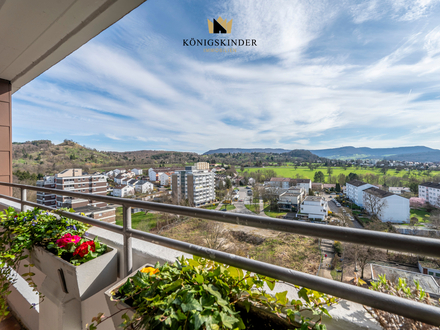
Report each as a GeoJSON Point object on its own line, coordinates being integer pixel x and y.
{"type": "Point", "coordinates": [195, 184]}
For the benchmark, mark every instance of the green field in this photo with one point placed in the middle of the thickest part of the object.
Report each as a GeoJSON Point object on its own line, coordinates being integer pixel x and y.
{"type": "Point", "coordinates": [305, 173]}
{"type": "Point", "coordinates": [209, 207]}
{"type": "Point", "coordinates": [139, 220]}
{"type": "Point", "coordinates": [229, 207]}
{"type": "Point", "coordinates": [421, 215]}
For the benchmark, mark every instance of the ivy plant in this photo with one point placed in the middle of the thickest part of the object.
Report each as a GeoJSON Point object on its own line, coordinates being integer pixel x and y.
{"type": "Point", "coordinates": [202, 294]}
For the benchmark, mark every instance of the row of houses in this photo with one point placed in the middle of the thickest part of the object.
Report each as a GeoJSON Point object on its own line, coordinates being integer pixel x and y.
{"type": "Point", "coordinates": [287, 183]}
{"type": "Point", "coordinates": [387, 206]}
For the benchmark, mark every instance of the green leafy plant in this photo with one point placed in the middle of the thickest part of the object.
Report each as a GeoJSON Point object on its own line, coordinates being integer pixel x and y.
{"type": "Point", "coordinates": [400, 289]}
{"type": "Point", "coordinates": [202, 294]}
{"type": "Point", "coordinates": [20, 233]}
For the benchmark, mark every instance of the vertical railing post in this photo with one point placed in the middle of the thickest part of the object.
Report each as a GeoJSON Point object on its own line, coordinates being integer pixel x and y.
{"type": "Point", "coordinates": [128, 252]}
{"type": "Point", "coordinates": [23, 199]}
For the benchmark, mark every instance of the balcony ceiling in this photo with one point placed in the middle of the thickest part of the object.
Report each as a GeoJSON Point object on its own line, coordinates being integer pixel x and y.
{"type": "Point", "coordinates": [37, 34]}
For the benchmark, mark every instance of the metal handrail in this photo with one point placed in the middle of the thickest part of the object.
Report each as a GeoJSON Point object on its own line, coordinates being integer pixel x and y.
{"type": "Point", "coordinates": [404, 307]}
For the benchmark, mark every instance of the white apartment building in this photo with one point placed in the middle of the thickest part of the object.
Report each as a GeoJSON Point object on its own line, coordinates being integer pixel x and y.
{"type": "Point", "coordinates": [430, 192]}
{"type": "Point", "coordinates": [393, 208]}
{"type": "Point", "coordinates": [164, 178]}
{"type": "Point", "coordinates": [315, 207]}
{"type": "Point", "coordinates": [286, 183]}
{"type": "Point", "coordinates": [144, 187]}
{"type": "Point", "coordinates": [137, 171]}
{"type": "Point", "coordinates": [305, 184]}
{"type": "Point", "coordinates": [196, 186]}
{"type": "Point", "coordinates": [123, 191]}
{"type": "Point", "coordinates": [291, 199]}
{"type": "Point", "coordinates": [354, 191]}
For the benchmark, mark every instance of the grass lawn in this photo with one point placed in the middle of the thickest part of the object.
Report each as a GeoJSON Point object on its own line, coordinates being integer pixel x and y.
{"type": "Point", "coordinates": [139, 220]}
{"type": "Point", "coordinates": [421, 215]}
{"type": "Point", "coordinates": [251, 207]}
{"type": "Point", "coordinates": [364, 220]}
{"type": "Point", "coordinates": [273, 214]}
{"type": "Point", "coordinates": [229, 207]}
{"type": "Point", "coordinates": [209, 207]}
{"type": "Point", "coordinates": [305, 172]}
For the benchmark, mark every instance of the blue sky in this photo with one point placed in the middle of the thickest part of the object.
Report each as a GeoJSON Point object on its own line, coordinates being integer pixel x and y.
{"type": "Point", "coordinates": [324, 74]}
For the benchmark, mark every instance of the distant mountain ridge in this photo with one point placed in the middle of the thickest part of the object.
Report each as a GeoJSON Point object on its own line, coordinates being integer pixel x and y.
{"type": "Point", "coordinates": [246, 151]}
{"type": "Point", "coordinates": [400, 153]}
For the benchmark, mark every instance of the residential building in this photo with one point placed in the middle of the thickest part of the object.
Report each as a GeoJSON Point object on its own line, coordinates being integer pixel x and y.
{"type": "Point", "coordinates": [202, 166]}
{"type": "Point", "coordinates": [430, 192]}
{"type": "Point", "coordinates": [354, 191]}
{"type": "Point", "coordinates": [153, 172]}
{"type": "Point", "coordinates": [196, 186]}
{"type": "Point", "coordinates": [387, 206]}
{"type": "Point", "coordinates": [123, 191]}
{"type": "Point", "coordinates": [132, 182]}
{"type": "Point", "coordinates": [315, 207]}
{"type": "Point", "coordinates": [286, 183]}
{"type": "Point", "coordinates": [429, 267]}
{"type": "Point", "coordinates": [137, 171]}
{"type": "Point", "coordinates": [144, 187]}
{"type": "Point", "coordinates": [291, 199]}
{"type": "Point", "coordinates": [107, 213]}
{"type": "Point", "coordinates": [306, 184]}
{"type": "Point", "coordinates": [73, 180]}
{"type": "Point", "coordinates": [398, 190]}
{"type": "Point", "coordinates": [279, 182]}
{"type": "Point", "coordinates": [47, 199]}
{"type": "Point", "coordinates": [119, 178]}
{"type": "Point", "coordinates": [164, 178]}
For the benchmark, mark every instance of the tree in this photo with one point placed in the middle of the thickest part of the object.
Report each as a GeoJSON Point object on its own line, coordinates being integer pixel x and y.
{"type": "Point", "coordinates": [352, 176]}
{"type": "Point", "coordinates": [329, 170]}
{"type": "Point", "coordinates": [414, 187]}
{"type": "Point", "coordinates": [338, 187]}
{"type": "Point", "coordinates": [374, 205]}
{"type": "Point", "coordinates": [341, 179]}
{"type": "Point", "coordinates": [319, 177]}
{"type": "Point", "coordinates": [360, 254]}
{"type": "Point", "coordinates": [228, 183]}
{"type": "Point", "coordinates": [213, 235]}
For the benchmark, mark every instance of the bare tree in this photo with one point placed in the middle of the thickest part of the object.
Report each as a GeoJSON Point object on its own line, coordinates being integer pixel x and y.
{"type": "Point", "coordinates": [214, 235]}
{"type": "Point", "coordinates": [374, 205]}
{"type": "Point", "coordinates": [360, 254]}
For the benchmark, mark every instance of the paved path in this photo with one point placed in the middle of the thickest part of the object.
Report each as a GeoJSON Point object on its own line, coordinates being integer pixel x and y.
{"type": "Point", "coordinates": [327, 249]}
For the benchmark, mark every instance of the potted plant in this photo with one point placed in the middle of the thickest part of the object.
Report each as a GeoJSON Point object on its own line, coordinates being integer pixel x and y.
{"type": "Point", "coordinates": [202, 294]}
{"type": "Point", "coordinates": [57, 246]}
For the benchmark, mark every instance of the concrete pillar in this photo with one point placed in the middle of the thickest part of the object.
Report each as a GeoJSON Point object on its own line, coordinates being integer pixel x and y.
{"type": "Point", "coordinates": [5, 136]}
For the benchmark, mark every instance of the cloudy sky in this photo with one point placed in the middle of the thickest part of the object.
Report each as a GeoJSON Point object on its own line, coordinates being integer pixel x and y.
{"type": "Point", "coordinates": [324, 74]}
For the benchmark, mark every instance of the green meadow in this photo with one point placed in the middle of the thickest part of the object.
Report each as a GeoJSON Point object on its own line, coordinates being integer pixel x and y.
{"type": "Point", "coordinates": [305, 173]}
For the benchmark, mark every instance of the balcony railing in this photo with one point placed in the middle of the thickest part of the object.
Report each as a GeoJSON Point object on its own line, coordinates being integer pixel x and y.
{"type": "Point", "coordinates": [397, 242]}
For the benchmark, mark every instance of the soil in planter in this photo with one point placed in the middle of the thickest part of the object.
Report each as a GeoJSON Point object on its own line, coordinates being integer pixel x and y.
{"type": "Point", "coordinates": [260, 320]}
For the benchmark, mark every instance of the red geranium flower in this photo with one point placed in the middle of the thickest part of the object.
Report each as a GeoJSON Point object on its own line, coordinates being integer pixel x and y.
{"type": "Point", "coordinates": [66, 239]}
{"type": "Point", "coordinates": [83, 249]}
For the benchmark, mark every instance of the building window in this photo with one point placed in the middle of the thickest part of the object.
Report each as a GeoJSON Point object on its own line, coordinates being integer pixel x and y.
{"type": "Point", "coordinates": [431, 273]}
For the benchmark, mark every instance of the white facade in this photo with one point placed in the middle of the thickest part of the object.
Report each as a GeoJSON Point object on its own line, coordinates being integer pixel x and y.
{"type": "Point", "coordinates": [193, 185]}
{"type": "Point", "coordinates": [123, 191]}
{"type": "Point", "coordinates": [120, 177]}
{"type": "Point", "coordinates": [164, 179]}
{"type": "Point", "coordinates": [395, 208]}
{"type": "Point", "coordinates": [137, 171]}
{"type": "Point", "coordinates": [152, 174]}
{"type": "Point", "coordinates": [315, 207]}
{"type": "Point", "coordinates": [354, 191]}
{"type": "Point", "coordinates": [430, 192]}
{"type": "Point", "coordinates": [305, 184]}
{"type": "Point", "coordinates": [251, 181]}
{"type": "Point", "coordinates": [145, 187]}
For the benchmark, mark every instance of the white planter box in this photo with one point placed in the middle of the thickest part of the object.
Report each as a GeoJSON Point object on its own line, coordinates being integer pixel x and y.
{"type": "Point", "coordinates": [116, 305]}
{"type": "Point", "coordinates": [80, 281]}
